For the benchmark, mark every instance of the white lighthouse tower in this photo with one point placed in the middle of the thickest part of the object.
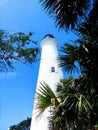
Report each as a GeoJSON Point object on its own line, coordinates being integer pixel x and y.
{"type": "Point", "coordinates": [50, 73]}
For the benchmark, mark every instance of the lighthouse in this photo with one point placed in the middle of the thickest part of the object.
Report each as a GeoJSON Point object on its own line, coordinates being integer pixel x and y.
{"type": "Point", "coordinates": [49, 73]}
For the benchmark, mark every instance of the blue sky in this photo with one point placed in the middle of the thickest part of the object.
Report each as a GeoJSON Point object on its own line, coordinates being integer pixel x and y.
{"type": "Point", "coordinates": [17, 89]}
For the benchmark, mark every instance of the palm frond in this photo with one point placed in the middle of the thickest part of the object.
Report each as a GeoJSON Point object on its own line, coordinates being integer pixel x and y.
{"type": "Point", "coordinates": [68, 60]}
{"type": "Point", "coordinates": [45, 98]}
{"type": "Point", "coordinates": [67, 13]}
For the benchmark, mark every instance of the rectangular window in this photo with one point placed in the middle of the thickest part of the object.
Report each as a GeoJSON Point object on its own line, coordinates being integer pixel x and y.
{"type": "Point", "coordinates": [52, 69]}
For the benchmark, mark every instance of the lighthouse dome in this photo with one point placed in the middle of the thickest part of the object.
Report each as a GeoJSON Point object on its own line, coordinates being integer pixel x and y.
{"type": "Point", "coordinates": [49, 35]}
{"type": "Point", "coordinates": [49, 40]}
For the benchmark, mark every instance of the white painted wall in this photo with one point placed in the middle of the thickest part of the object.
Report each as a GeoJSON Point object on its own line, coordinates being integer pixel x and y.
{"type": "Point", "coordinates": [48, 59]}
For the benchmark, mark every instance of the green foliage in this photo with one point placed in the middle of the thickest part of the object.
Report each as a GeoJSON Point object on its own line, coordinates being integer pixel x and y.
{"type": "Point", "coordinates": [23, 125]}
{"type": "Point", "coordinates": [45, 98]}
{"type": "Point", "coordinates": [16, 47]}
{"type": "Point", "coordinates": [67, 13]}
{"type": "Point", "coordinates": [74, 109]}
{"type": "Point", "coordinates": [82, 51]}
{"type": "Point", "coordinates": [69, 58]}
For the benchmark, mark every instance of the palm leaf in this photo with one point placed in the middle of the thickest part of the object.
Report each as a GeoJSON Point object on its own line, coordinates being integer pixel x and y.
{"type": "Point", "coordinates": [68, 61]}
{"type": "Point", "coordinates": [45, 98]}
{"type": "Point", "coordinates": [67, 13]}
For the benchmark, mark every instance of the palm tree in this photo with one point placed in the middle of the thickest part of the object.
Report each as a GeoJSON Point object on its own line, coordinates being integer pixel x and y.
{"type": "Point", "coordinates": [67, 13]}
{"type": "Point", "coordinates": [69, 108]}
{"type": "Point", "coordinates": [83, 57]}
{"type": "Point", "coordinates": [45, 98]}
{"type": "Point", "coordinates": [74, 110]}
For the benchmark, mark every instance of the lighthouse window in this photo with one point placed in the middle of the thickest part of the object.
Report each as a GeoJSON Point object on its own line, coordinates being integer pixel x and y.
{"type": "Point", "coordinates": [52, 69]}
